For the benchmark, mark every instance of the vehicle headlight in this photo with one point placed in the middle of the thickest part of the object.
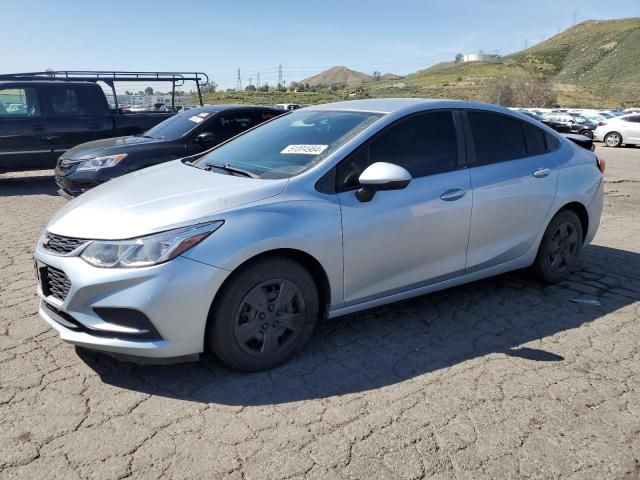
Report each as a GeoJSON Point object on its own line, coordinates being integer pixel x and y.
{"type": "Point", "coordinates": [101, 162]}
{"type": "Point", "coordinates": [148, 250]}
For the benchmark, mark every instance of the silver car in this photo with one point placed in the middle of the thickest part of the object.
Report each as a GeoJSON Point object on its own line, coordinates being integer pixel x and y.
{"type": "Point", "coordinates": [322, 212]}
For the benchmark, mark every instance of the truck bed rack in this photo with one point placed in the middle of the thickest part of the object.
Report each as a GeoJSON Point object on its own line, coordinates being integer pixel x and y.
{"type": "Point", "coordinates": [110, 77]}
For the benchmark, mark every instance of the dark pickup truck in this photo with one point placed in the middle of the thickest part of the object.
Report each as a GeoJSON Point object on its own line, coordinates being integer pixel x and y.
{"type": "Point", "coordinates": [40, 119]}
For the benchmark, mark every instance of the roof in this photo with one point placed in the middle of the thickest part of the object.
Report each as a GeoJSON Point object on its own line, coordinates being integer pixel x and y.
{"type": "Point", "coordinates": [44, 82]}
{"type": "Point", "coordinates": [391, 105]}
{"type": "Point", "coordinates": [225, 107]}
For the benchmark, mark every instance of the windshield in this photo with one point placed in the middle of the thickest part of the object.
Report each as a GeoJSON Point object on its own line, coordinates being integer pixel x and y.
{"type": "Point", "coordinates": [178, 125]}
{"type": "Point", "coordinates": [290, 144]}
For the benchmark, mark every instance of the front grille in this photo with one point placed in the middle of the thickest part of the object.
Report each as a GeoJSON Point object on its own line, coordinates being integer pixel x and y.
{"type": "Point", "coordinates": [55, 283]}
{"type": "Point", "coordinates": [60, 244]}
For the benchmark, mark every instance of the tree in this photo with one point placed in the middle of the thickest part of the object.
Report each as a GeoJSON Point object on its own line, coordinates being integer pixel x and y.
{"type": "Point", "coordinates": [250, 88]}
{"type": "Point", "coordinates": [526, 88]}
{"type": "Point", "coordinates": [377, 75]}
{"type": "Point", "coordinates": [209, 87]}
{"type": "Point", "coordinates": [148, 91]}
{"type": "Point", "coordinates": [264, 87]}
{"type": "Point", "coordinates": [459, 57]}
{"type": "Point", "coordinates": [127, 92]}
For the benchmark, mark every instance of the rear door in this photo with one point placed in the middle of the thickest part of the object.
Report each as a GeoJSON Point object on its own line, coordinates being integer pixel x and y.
{"type": "Point", "coordinates": [514, 177]}
{"type": "Point", "coordinates": [632, 129]}
{"type": "Point", "coordinates": [24, 140]}
{"type": "Point", "coordinates": [77, 114]}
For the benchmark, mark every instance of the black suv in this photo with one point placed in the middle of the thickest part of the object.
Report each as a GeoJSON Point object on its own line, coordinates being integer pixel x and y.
{"type": "Point", "coordinates": [188, 133]}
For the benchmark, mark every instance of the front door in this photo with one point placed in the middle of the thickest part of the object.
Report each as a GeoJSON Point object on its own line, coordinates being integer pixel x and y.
{"type": "Point", "coordinates": [405, 239]}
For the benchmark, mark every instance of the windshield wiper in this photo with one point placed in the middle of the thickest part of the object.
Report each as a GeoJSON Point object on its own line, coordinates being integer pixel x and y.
{"type": "Point", "coordinates": [229, 168]}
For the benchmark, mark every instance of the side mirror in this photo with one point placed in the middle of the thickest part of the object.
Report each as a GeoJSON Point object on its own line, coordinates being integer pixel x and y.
{"type": "Point", "coordinates": [206, 139]}
{"type": "Point", "coordinates": [381, 176]}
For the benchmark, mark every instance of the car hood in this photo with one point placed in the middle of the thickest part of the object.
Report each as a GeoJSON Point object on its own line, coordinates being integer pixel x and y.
{"type": "Point", "coordinates": [107, 146]}
{"type": "Point", "coordinates": [158, 198]}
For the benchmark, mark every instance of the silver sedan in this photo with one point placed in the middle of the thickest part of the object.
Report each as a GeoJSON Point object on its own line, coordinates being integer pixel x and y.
{"type": "Point", "coordinates": [325, 211]}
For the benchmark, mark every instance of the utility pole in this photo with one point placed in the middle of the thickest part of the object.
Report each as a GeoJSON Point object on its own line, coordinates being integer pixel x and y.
{"type": "Point", "coordinates": [258, 81]}
{"type": "Point", "coordinates": [280, 82]}
{"type": "Point", "coordinates": [575, 16]}
{"type": "Point", "coordinates": [526, 43]}
{"type": "Point", "coordinates": [250, 81]}
{"type": "Point", "coordinates": [239, 82]}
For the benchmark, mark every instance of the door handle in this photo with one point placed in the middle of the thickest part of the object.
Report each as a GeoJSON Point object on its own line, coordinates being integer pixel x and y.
{"type": "Point", "coordinates": [541, 173]}
{"type": "Point", "coordinates": [452, 194]}
{"type": "Point", "coordinates": [38, 128]}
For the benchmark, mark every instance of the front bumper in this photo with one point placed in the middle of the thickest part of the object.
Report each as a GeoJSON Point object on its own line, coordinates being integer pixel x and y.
{"type": "Point", "coordinates": [73, 183]}
{"type": "Point", "coordinates": [175, 297]}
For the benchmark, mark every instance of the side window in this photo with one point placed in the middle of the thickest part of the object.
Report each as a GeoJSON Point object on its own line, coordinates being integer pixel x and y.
{"type": "Point", "coordinates": [424, 144]}
{"type": "Point", "coordinates": [497, 138]}
{"type": "Point", "coordinates": [73, 100]}
{"type": "Point", "coordinates": [535, 139]}
{"type": "Point", "coordinates": [232, 123]}
{"type": "Point", "coordinates": [19, 102]}
{"type": "Point", "coordinates": [635, 119]}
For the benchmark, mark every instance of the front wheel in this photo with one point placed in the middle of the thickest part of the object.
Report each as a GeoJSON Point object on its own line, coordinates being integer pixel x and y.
{"type": "Point", "coordinates": [560, 247]}
{"type": "Point", "coordinates": [613, 139]}
{"type": "Point", "coordinates": [587, 133]}
{"type": "Point", "coordinates": [263, 315]}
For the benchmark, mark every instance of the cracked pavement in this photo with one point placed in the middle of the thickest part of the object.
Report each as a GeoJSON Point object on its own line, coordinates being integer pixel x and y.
{"type": "Point", "coordinates": [501, 378]}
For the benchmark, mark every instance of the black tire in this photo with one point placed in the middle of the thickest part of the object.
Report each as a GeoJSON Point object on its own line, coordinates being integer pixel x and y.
{"type": "Point", "coordinates": [560, 247]}
{"type": "Point", "coordinates": [613, 139]}
{"type": "Point", "coordinates": [587, 133]}
{"type": "Point", "coordinates": [251, 326]}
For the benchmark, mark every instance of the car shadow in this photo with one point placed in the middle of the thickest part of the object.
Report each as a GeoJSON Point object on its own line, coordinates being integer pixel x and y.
{"type": "Point", "coordinates": [396, 342]}
{"type": "Point", "coordinates": [29, 184]}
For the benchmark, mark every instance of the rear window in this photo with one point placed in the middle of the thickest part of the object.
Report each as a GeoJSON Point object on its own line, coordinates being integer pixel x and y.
{"type": "Point", "coordinates": [179, 125]}
{"type": "Point", "coordinates": [19, 102]}
{"type": "Point", "coordinates": [73, 100]}
{"type": "Point", "coordinates": [496, 138]}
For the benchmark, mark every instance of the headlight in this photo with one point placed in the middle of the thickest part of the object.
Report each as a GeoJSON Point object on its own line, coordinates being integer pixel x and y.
{"type": "Point", "coordinates": [101, 162]}
{"type": "Point", "coordinates": [149, 250]}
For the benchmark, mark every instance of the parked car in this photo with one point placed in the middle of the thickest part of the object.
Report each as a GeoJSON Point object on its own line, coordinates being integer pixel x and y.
{"type": "Point", "coordinates": [559, 121]}
{"type": "Point", "coordinates": [45, 118]}
{"type": "Point", "coordinates": [559, 127]}
{"type": "Point", "coordinates": [185, 134]}
{"type": "Point", "coordinates": [619, 130]}
{"type": "Point", "coordinates": [319, 213]}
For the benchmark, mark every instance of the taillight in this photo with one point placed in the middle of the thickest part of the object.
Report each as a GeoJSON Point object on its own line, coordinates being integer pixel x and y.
{"type": "Point", "coordinates": [601, 164]}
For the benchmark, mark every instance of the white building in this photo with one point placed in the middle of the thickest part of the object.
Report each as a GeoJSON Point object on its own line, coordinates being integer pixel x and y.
{"type": "Point", "coordinates": [480, 56]}
{"type": "Point", "coordinates": [150, 100]}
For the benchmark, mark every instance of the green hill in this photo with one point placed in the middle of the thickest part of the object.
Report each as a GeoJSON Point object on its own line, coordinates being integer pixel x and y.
{"type": "Point", "coordinates": [595, 62]}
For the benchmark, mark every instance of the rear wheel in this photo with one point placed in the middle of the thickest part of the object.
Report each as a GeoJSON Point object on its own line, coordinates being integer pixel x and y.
{"type": "Point", "coordinates": [264, 314]}
{"type": "Point", "coordinates": [613, 139]}
{"type": "Point", "coordinates": [560, 247]}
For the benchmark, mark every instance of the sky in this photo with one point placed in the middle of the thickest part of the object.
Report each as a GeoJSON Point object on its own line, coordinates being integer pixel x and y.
{"type": "Point", "coordinates": [305, 37]}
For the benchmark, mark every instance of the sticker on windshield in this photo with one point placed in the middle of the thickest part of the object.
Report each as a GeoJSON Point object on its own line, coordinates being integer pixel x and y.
{"type": "Point", "coordinates": [196, 119]}
{"type": "Point", "coordinates": [305, 149]}
{"type": "Point", "coordinates": [203, 114]}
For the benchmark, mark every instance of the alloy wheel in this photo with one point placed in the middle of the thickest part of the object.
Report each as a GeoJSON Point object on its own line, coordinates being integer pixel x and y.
{"type": "Point", "coordinates": [613, 140]}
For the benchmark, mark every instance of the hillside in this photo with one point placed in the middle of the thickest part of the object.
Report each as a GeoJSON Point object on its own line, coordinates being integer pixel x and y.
{"type": "Point", "coordinates": [337, 76]}
{"type": "Point", "coordinates": [595, 62]}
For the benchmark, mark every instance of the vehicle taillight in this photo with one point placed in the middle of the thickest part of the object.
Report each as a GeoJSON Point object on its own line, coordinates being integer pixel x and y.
{"type": "Point", "coordinates": [601, 123]}
{"type": "Point", "coordinates": [601, 164]}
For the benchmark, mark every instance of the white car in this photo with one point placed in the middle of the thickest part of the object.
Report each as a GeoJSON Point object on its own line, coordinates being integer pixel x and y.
{"type": "Point", "coordinates": [619, 130]}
